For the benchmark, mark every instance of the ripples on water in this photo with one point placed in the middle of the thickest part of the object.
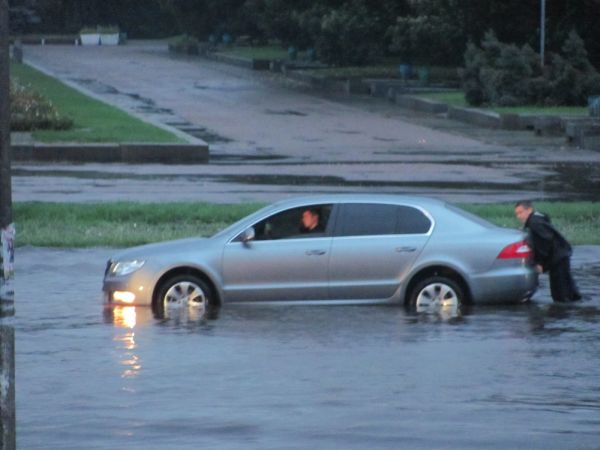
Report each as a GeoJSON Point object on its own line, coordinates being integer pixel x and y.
{"type": "Point", "coordinates": [297, 377]}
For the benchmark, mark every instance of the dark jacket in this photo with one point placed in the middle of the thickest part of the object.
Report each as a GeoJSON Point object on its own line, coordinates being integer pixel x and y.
{"type": "Point", "coordinates": [549, 246]}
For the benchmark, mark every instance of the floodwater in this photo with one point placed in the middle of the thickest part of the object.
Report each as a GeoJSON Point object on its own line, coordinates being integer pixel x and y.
{"type": "Point", "coordinates": [299, 377]}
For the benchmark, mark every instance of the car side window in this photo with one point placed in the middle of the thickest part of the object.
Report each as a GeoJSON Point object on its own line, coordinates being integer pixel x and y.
{"type": "Point", "coordinates": [367, 219]}
{"type": "Point", "coordinates": [295, 223]}
{"type": "Point", "coordinates": [374, 219]}
{"type": "Point", "coordinates": [412, 221]}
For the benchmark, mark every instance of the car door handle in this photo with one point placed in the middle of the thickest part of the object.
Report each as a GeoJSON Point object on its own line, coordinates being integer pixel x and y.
{"type": "Point", "coordinates": [315, 252]}
{"type": "Point", "coordinates": [406, 249]}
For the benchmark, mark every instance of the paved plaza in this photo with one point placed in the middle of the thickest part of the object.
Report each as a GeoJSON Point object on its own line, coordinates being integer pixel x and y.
{"type": "Point", "coordinates": [270, 138]}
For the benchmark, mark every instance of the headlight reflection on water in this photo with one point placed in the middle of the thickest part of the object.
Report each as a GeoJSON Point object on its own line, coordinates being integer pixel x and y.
{"type": "Point", "coordinates": [125, 317]}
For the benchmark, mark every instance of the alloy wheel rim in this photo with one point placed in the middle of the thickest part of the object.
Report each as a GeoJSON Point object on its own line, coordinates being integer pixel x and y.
{"type": "Point", "coordinates": [437, 296]}
{"type": "Point", "coordinates": [184, 293]}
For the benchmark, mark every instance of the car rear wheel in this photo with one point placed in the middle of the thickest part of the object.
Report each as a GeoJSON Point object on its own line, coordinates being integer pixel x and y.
{"type": "Point", "coordinates": [183, 291]}
{"type": "Point", "coordinates": [435, 294]}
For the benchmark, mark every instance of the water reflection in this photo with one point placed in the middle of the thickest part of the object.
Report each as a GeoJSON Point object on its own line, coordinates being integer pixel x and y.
{"type": "Point", "coordinates": [186, 315]}
{"type": "Point", "coordinates": [125, 320]}
{"type": "Point", "coordinates": [125, 316]}
{"type": "Point", "coordinates": [557, 318]}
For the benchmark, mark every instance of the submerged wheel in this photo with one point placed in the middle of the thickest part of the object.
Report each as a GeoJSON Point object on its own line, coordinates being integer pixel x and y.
{"type": "Point", "coordinates": [184, 291]}
{"type": "Point", "coordinates": [435, 294]}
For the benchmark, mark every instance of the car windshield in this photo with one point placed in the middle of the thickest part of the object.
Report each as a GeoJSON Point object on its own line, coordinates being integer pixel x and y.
{"type": "Point", "coordinates": [252, 217]}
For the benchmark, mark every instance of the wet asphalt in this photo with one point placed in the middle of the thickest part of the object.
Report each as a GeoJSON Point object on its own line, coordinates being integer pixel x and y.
{"type": "Point", "coordinates": [271, 138]}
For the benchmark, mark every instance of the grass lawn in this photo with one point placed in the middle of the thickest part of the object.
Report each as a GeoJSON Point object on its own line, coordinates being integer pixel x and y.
{"type": "Point", "coordinates": [452, 98]}
{"type": "Point", "coordinates": [579, 222]}
{"type": "Point", "coordinates": [119, 224]}
{"type": "Point", "coordinates": [126, 224]}
{"type": "Point", "coordinates": [457, 98]}
{"type": "Point", "coordinates": [94, 121]}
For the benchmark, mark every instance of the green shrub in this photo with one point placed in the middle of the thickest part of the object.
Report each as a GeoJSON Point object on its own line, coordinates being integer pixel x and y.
{"type": "Point", "coordinates": [474, 62]}
{"type": "Point", "coordinates": [572, 77]}
{"type": "Point", "coordinates": [30, 111]}
{"type": "Point", "coordinates": [501, 74]}
{"type": "Point", "coordinates": [88, 30]}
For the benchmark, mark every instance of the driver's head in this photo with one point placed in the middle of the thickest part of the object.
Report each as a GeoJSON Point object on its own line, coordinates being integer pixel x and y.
{"type": "Point", "coordinates": [310, 219]}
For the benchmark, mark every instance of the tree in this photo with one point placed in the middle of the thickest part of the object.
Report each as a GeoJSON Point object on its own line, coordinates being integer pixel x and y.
{"type": "Point", "coordinates": [506, 75]}
{"type": "Point", "coordinates": [571, 76]}
{"type": "Point", "coordinates": [349, 35]}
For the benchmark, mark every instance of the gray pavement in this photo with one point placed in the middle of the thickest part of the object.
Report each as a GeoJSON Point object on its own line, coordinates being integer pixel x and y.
{"type": "Point", "coordinates": [270, 138]}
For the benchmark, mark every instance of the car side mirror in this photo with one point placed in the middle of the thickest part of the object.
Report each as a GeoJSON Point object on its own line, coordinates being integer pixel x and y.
{"type": "Point", "coordinates": [248, 235]}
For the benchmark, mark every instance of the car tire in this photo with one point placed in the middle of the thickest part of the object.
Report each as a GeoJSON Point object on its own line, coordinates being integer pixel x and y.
{"type": "Point", "coordinates": [183, 291]}
{"type": "Point", "coordinates": [436, 293]}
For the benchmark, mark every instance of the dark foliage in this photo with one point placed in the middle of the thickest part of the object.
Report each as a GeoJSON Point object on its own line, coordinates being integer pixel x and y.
{"type": "Point", "coordinates": [428, 31]}
{"type": "Point", "coordinates": [506, 75]}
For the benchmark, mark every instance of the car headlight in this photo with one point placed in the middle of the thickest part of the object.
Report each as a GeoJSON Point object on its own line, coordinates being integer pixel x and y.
{"type": "Point", "coordinates": [125, 267]}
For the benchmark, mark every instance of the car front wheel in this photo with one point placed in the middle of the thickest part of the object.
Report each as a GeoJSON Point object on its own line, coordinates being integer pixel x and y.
{"type": "Point", "coordinates": [435, 294]}
{"type": "Point", "coordinates": [184, 291]}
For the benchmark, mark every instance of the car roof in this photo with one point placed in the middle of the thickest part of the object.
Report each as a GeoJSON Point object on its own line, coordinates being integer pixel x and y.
{"type": "Point", "coordinates": [360, 198]}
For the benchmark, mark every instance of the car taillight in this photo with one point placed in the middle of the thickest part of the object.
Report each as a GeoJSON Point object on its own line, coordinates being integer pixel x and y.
{"type": "Point", "coordinates": [517, 250]}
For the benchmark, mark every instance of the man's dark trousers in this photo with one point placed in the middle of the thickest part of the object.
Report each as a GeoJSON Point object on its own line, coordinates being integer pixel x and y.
{"type": "Point", "coordinates": [562, 285]}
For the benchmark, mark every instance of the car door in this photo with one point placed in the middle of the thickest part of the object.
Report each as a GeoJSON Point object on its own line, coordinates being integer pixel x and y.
{"type": "Point", "coordinates": [373, 246]}
{"type": "Point", "coordinates": [282, 262]}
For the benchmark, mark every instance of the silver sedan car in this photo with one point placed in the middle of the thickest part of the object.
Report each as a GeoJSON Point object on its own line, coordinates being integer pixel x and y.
{"type": "Point", "coordinates": [420, 252]}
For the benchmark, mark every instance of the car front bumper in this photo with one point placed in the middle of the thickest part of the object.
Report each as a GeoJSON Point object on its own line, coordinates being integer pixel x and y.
{"type": "Point", "coordinates": [133, 289]}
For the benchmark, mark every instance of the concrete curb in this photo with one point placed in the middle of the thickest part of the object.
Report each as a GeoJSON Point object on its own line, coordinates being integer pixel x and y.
{"type": "Point", "coordinates": [248, 63]}
{"type": "Point", "coordinates": [547, 125]}
{"type": "Point", "coordinates": [317, 82]}
{"type": "Point", "coordinates": [421, 104]}
{"type": "Point", "coordinates": [487, 119]}
{"type": "Point", "coordinates": [130, 153]}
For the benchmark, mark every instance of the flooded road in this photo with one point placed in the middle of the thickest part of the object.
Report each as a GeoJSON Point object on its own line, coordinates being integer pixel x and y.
{"type": "Point", "coordinates": [298, 377]}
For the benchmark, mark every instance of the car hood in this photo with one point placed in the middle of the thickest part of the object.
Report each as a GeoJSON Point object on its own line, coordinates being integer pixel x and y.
{"type": "Point", "coordinates": [162, 248]}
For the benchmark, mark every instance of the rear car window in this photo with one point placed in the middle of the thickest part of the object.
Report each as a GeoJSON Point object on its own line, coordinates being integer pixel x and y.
{"type": "Point", "coordinates": [412, 221]}
{"type": "Point", "coordinates": [373, 219]}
